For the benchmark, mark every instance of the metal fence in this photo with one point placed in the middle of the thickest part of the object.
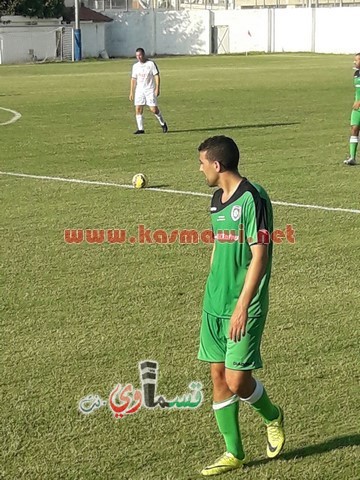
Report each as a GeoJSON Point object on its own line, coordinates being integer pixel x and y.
{"type": "Point", "coordinates": [212, 4]}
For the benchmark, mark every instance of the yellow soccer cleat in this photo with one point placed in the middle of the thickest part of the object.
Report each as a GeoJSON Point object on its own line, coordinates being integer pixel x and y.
{"type": "Point", "coordinates": [223, 464]}
{"type": "Point", "coordinates": [275, 436]}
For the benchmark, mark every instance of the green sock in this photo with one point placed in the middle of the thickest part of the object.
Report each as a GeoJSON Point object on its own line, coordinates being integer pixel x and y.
{"type": "Point", "coordinates": [353, 146]}
{"type": "Point", "coordinates": [228, 423]}
{"type": "Point", "coordinates": [266, 408]}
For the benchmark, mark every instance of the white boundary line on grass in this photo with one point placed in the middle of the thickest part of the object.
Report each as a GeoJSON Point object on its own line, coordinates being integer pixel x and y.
{"type": "Point", "coordinates": [166, 190]}
{"type": "Point", "coordinates": [15, 118]}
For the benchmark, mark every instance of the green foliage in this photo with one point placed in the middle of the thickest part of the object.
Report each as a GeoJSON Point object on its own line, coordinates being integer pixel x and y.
{"type": "Point", "coordinates": [32, 8]}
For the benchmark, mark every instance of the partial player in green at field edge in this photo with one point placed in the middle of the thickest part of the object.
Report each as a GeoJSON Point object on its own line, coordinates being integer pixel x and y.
{"type": "Point", "coordinates": [355, 115]}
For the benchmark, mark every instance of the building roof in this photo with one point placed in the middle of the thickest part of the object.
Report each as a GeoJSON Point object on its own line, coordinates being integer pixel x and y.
{"type": "Point", "coordinates": [85, 15]}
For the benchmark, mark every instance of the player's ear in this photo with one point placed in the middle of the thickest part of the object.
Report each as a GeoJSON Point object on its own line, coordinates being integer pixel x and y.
{"type": "Point", "coordinates": [217, 166]}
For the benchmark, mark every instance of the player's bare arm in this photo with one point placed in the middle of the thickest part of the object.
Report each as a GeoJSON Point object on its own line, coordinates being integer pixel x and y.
{"type": "Point", "coordinates": [253, 278]}
{"type": "Point", "coordinates": [157, 85]}
{"type": "Point", "coordinates": [132, 89]}
{"type": "Point", "coordinates": [356, 105]}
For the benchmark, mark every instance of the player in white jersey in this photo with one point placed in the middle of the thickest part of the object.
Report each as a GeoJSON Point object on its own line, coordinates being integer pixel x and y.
{"type": "Point", "coordinates": [144, 90]}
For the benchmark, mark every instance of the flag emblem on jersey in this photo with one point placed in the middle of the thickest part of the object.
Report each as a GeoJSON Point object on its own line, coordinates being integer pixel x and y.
{"type": "Point", "coordinates": [236, 212]}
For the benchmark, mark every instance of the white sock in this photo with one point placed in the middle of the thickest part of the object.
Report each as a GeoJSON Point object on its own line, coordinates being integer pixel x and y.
{"type": "Point", "coordinates": [225, 403]}
{"type": "Point", "coordinates": [140, 122]}
{"type": "Point", "coordinates": [354, 139]}
{"type": "Point", "coordinates": [256, 395]}
{"type": "Point", "coordinates": [160, 118]}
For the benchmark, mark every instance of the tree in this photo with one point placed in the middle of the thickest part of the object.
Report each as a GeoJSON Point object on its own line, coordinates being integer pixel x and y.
{"type": "Point", "coordinates": [32, 8]}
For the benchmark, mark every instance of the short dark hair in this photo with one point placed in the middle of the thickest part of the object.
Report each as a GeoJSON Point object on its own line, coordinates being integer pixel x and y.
{"type": "Point", "coordinates": [223, 150]}
{"type": "Point", "coordinates": [140, 49]}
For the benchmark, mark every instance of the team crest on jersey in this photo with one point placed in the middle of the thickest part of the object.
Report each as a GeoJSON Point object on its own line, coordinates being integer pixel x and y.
{"type": "Point", "coordinates": [236, 213]}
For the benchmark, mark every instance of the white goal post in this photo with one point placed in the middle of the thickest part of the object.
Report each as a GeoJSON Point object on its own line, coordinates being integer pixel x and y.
{"type": "Point", "coordinates": [36, 44]}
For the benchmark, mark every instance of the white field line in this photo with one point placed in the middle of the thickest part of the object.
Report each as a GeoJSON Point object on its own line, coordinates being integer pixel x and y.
{"type": "Point", "coordinates": [167, 190]}
{"type": "Point", "coordinates": [15, 118]}
{"type": "Point", "coordinates": [169, 72]}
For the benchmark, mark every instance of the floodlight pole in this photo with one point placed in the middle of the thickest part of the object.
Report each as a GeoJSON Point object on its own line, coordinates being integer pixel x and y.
{"type": "Point", "coordinates": [77, 33]}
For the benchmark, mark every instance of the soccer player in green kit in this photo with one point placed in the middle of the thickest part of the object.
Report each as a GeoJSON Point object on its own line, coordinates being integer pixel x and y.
{"type": "Point", "coordinates": [355, 115]}
{"type": "Point", "coordinates": [236, 300]}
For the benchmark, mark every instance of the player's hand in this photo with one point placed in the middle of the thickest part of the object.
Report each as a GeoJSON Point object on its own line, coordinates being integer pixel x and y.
{"type": "Point", "coordinates": [238, 323]}
{"type": "Point", "coordinates": [131, 97]}
{"type": "Point", "coordinates": [356, 105]}
{"type": "Point", "coordinates": [157, 92]}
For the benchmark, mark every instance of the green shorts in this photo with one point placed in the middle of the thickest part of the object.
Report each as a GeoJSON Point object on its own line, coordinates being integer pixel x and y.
{"type": "Point", "coordinates": [355, 118]}
{"type": "Point", "coordinates": [216, 346]}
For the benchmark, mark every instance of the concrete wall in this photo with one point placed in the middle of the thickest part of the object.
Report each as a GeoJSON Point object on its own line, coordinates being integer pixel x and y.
{"type": "Point", "coordinates": [292, 29]}
{"type": "Point", "coordinates": [183, 32]}
{"type": "Point", "coordinates": [248, 29]}
{"type": "Point", "coordinates": [17, 47]}
{"type": "Point", "coordinates": [18, 40]}
{"type": "Point", "coordinates": [19, 36]}
{"type": "Point", "coordinates": [93, 39]}
{"type": "Point", "coordinates": [188, 32]}
{"type": "Point", "coordinates": [337, 30]}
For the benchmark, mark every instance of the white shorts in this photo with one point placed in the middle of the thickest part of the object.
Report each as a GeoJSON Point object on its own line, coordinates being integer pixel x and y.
{"type": "Point", "coordinates": [145, 97]}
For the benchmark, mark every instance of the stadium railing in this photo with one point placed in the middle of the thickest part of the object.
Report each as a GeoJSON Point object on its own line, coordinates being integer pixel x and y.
{"type": "Point", "coordinates": [212, 4]}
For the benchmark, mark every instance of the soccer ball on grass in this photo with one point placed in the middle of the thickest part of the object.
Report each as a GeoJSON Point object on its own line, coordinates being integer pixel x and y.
{"type": "Point", "coordinates": [140, 181]}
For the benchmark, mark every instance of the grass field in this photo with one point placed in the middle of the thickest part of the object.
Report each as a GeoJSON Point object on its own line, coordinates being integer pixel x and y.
{"type": "Point", "coordinates": [77, 319]}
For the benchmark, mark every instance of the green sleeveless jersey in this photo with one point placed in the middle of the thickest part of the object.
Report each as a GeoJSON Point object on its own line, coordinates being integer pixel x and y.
{"type": "Point", "coordinates": [357, 85]}
{"type": "Point", "coordinates": [244, 220]}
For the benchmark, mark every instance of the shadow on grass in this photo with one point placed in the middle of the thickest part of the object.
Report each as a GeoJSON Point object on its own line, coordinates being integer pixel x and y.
{"type": "Point", "coordinates": [316, 449]}
{"type": "Point", "coordinates": [234, 127]}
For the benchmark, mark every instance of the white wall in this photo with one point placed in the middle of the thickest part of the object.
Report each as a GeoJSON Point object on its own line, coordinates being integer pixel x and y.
{"type": "Point", "coordinates": [20, 34]}
{"type": "Point", "coordinates": [17, 41]}
{"type": "Point", "coordinates": [292, 29]}
{"type": "Point", "coordinates": [248, 29]}
{"type": "Point", "coordinates": [183, 32]}
{"type": "Point", "coordinates": [16, 44]}
{"type": "Point", "coordinates": [337, 30]}
{"type": "Point", "coordinates": [128, 31]}
{"type": "Point", "coordinates": [322, 30]}
{"type": "Point", "coordinates": [92, 39]}
{"type": "Point", "coordinates": [188, 32]}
